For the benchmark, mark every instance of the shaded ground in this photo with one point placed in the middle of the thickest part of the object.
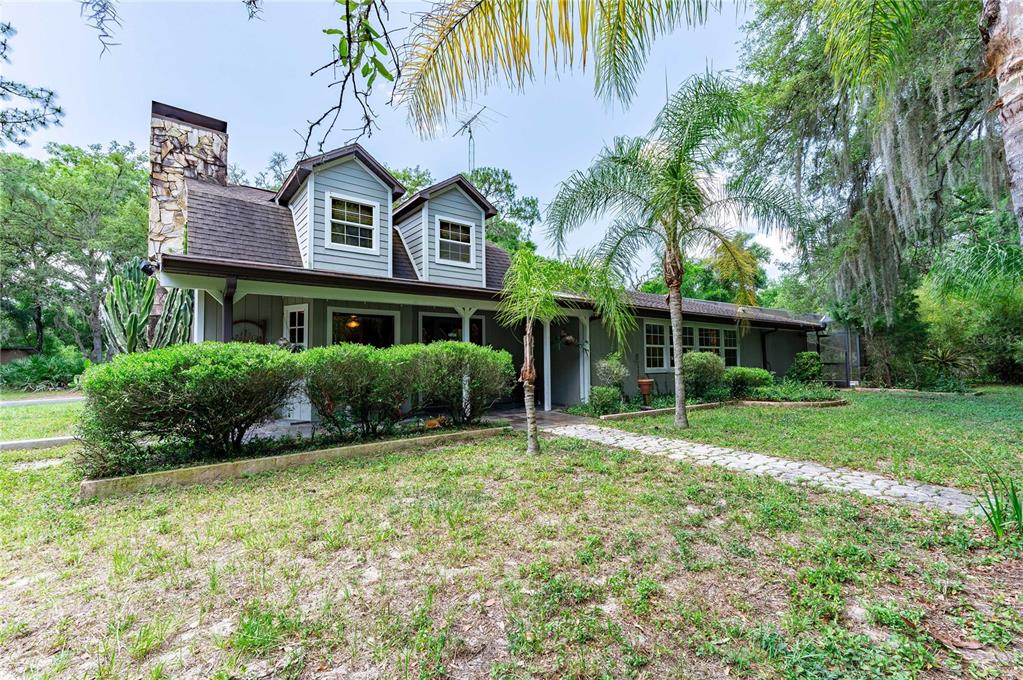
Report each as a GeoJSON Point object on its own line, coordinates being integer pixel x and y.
{"type": "Point", "coordinates": [21, 395]}
{"type": "Point", "coordinates": [478, 561]}
{"type": "Point", "coordinates": [946, 440]}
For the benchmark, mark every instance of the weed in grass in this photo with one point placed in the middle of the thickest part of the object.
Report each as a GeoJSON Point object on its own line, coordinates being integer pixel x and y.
{"type": "Point", "coordinates": [12, 630]}
{"type": "Point", "coordinates": [148, 638]}
{"type": "Point", "coordinates": [641, 601]}
{"type": "Point", "coordinates": [261, 629]}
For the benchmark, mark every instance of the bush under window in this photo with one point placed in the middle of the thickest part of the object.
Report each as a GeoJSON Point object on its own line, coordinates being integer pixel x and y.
{"type": "Point", "coordinates": [604, 400]}
{"type": "Point", "coordinates": [806, 368]}
{"type": "Point", "coordinates": [704, 374]}
{"type": "Point", "coordinates": [465, 379]}
{"type": "Point", "coordinates": [197, 401]}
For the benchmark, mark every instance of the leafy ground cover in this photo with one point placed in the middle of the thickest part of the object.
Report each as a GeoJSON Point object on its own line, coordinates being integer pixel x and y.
{"type": "Point", "coordinates": [939, 439]}
{"type": "Point", "coordinates": [38, 420]}
{"type": "Point", "coordinates": [480, 561]}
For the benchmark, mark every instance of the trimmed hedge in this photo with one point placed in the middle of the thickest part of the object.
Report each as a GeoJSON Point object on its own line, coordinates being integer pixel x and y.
{"type": "Point", "coordinates": [464, 379]}
{"type": "Point", "coordinates": [190, 403]}
{"type": "Point", "coordinates": [197, 400]}
{"type": "Point", "coordinates": [704, 375]}
{"type": "Point", "coordinates": [742, 380]}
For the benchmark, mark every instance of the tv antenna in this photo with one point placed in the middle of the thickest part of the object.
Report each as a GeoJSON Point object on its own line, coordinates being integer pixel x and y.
{"type": "Point", "coordinates": [466, 129]}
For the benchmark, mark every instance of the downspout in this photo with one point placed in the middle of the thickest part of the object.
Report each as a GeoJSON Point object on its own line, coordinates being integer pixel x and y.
{"type": "Point", "coordinates": [763, 347]}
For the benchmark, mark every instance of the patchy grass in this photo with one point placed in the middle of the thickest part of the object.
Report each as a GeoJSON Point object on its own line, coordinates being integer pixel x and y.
{"type": "Point", "coordinates": [38, 421]}
{"type": "Point", "coordinates": [939, 439]}
{"type": "Point", "coordinates": [479, 561]}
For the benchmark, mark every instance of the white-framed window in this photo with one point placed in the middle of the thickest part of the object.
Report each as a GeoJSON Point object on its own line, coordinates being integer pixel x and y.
{"type": "Point", "coordinates": [656, 341]}
{"type": "Point", "coordinates": [455, 242]}
{"type": "Point", "coordinates": [375, 327]}
{"type": "Point", "coordinates": [434, 326]}
{"type": "Point", "coordinates": [659, 346]}
{"type": "Point", "coordinates": [352, 224]}
{"type": "Point", "coordinates": [731, 348]}
{"type": "Point", "coordinates": [296, 325]}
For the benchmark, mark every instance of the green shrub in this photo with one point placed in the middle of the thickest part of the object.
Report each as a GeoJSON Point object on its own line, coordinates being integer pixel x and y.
{"type": "Point", "coordinates": [604, 400]}
{"type": "Point", "coordinates": [611, 371]}
{"type": "Point", "coordinates": [703, 372]}
{"type": "Point", "coordinates": [790, 390]}
{"type": "Point", "coordinates": [465, 379]}
{"type": "Point", "coordinates": [197, 400]}
{"type": "Point", "coordinates": [49, 371]}
{"type": "Point", "coordinates": [358, 386]}
{"type": "Point", "coordinates": [806, 368]}
{"type": "Point", "coordinates": [741, 380]}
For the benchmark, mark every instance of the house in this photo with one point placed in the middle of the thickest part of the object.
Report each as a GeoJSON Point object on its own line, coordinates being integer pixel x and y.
{"type": "Point", "coordinates": [342, 253]}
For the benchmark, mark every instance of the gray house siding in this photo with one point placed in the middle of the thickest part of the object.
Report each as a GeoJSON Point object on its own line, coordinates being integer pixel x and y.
{"type": "Point", "coordinates": [300, 215]}
{"type": "Point", "coordinates": [349, 178]}
{"type": "Point", "coordinates": [411, 230]}
{"type": "Point", "coordinates": [455, 205]}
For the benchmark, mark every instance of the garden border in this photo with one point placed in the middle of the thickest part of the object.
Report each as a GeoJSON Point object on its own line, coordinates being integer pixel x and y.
{"type": "Point", "coordinates": [627, 415]}
{"type": "Point", "coordinates": [120, 486]}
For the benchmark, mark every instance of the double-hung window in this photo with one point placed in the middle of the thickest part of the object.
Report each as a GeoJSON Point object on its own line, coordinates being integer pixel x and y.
{"type": "Point", "coordinates": [455, 242]}
{"type": "Point", "coordinates": [351, 224]}
{"type": "Point", "coordinates": [656, 339]}
{"type": "Point", "coordinates": [659, 346]}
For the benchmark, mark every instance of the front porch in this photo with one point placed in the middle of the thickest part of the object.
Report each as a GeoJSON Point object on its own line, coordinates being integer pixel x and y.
{"type": "Point", "coordinates": [384, 319]}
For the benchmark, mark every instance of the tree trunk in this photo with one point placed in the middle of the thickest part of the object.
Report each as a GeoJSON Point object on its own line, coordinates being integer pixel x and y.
{"type": "Point", "coordinates": [528, 377]}
{"type": "Point", "coordinates": [1002, 29]}
{"type": "Point", "coordinates": [96, 327]}
{"type": "Point", "coordinates": [675, 310]}
{"type": "Point", "coordinates": [37, 318]}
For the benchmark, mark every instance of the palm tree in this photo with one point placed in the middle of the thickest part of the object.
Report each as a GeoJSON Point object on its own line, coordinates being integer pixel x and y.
{"type": "Point", "coordinates": [460, 47]}
{"type": "Point", "coordinates": [539, 289]}
{"type": "Point", "coordinates": [661, 193]}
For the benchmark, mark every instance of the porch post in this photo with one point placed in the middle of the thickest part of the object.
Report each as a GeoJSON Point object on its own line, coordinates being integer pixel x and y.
{"type": "Point", "coordinates": [466, 314]}
{"type": "Point", "coordinates": [199, 316]}
{"type": "Point", "coordinates": [230, 285]}
{"type": "Point", "coordinates": [584, 359]}
{"type": "Point", "coordinates": [546, 365]}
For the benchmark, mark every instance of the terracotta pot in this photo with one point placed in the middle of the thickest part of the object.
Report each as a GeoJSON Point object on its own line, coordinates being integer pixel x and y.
{"type": "Point", "coordinates": [645, 386]}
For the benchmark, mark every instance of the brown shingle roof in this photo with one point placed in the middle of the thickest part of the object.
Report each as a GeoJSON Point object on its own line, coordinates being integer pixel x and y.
{"type": "Point", "coordinates": [239, 223]}
{"type": "Point", "coordinates": [243, 224]}
{"type": "Point", "coordinates": [727, 310]}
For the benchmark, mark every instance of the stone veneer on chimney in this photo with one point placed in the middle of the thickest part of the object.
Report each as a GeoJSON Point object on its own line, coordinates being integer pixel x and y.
{"type": "Point", "coordinates": [182, 144]}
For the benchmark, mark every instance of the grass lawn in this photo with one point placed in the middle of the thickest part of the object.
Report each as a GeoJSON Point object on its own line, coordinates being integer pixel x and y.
{"type": "Point", "coordinates": [479, 561]}
{"type": "Point", "coordinates": [38, 421]}
{"type": "Point", "coordinates": [935, 439]}
{"type": "Point", "coordinates": [20, 395]}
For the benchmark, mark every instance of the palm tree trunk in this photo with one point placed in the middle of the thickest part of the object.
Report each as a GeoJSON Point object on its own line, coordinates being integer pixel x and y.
{"type": "Point", "coordinates": [528, 377]}
{"type": "Point", "coordinates": [675, 310]}
{"type": "Point", "coordinates": [1002, 28]}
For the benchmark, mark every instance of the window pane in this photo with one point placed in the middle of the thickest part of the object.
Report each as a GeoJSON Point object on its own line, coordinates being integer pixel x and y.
{"type": "Point", "coordinates": [687, 338]}
{"type": "Point", "coordinates": [455, 232]}
{"type": "Point", "coordinates": [351, 224]}
{"type": "Point", "coordinates": [731, 356]}
{"type": "Point", "coordinates": [366, 329]}
{"type": "Point", "coordinates": [457, 252]}
{"type": "Point", "coordinates": [730, 339]}
{"type": "Point", "coordinates": [654, 334]}
{"type": "Point", "coordinates": [709, 340]}
{"type": "Point", "coordinates": [655, 357]}
{"type": "Point", "coordinates": [450, 328]}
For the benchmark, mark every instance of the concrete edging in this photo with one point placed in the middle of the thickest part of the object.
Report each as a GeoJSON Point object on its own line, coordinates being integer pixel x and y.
{"type": "Point", "coordinates": [628, 415]}
{"type": "Point", "coordinates": [46, 443]}
{"type": "Point", "coordinates": [120, 486]}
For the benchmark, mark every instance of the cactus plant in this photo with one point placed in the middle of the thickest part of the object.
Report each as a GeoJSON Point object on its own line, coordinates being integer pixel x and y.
{"type": "Point", "coordinates": [127, 307]}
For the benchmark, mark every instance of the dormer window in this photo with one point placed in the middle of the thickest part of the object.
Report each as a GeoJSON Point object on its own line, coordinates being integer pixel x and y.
{"type": "Point", "coordinates": [455, 242]}
{"type": "Point", "coordinates": [352, 224]}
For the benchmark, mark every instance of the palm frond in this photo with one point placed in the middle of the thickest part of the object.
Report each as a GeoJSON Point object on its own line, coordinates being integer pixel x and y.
{"type": "Point", "coordinates": [462, 47]}
{"type": "Point", "coordinates": [978, 267]}
{"type": "Point", "coordinates": [624, 240]}
{"type": "Point", "coordinates": [700, 114]}
{"type": "Point", "coordinates": [751, 197]}
{"type": "Point", "coordinates": [866, 39]}
{"type": "Point", "coordinates": [618, 182]}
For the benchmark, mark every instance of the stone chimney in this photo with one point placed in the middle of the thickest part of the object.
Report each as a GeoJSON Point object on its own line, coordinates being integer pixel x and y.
{"type": "Point", "coordinates": [182, 145]}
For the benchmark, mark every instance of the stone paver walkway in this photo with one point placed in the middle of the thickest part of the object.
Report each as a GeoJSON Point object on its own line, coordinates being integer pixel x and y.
{"type": "Point", "coordinates": [943, 498]}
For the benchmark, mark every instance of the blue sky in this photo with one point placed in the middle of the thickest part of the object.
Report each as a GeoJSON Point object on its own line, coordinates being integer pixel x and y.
{"type": "Point", "coordinates": [209, 58]}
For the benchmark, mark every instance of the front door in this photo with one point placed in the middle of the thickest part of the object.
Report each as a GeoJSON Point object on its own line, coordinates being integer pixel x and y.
{"type": "Point", "coordinates": [296, 331]}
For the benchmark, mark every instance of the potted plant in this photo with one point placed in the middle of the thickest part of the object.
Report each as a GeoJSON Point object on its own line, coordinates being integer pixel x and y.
{"type": "Point", "coordinates": [646, 385]}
